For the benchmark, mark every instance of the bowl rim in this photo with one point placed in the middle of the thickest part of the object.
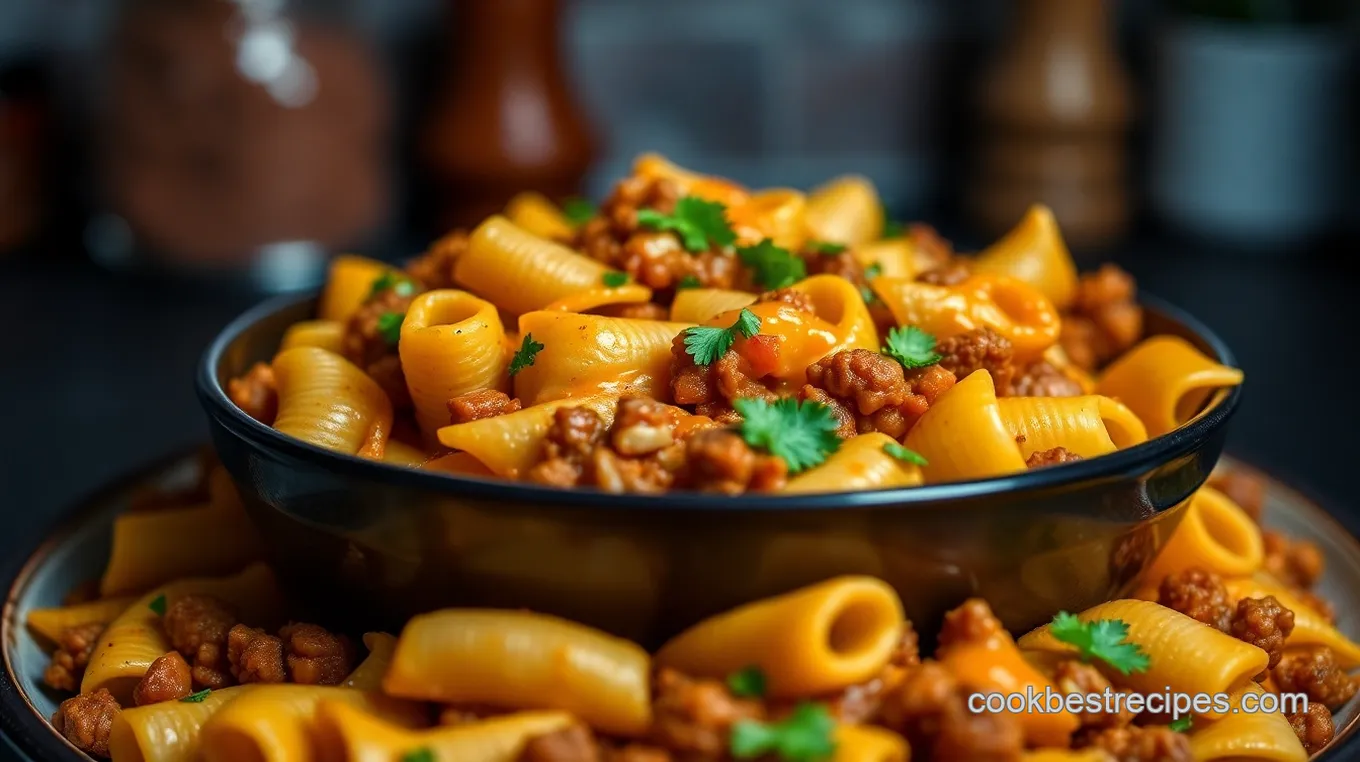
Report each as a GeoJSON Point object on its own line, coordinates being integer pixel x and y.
{"type": "Point", "coordinates": [1139, 458]}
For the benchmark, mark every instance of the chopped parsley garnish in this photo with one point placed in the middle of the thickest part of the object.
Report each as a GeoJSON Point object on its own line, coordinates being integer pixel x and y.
{"type": "Point", "coordinates": [748, 683]}
{"type": "Point", "coordinates": [806, 735]}
{"type": "Point", "coordinates": [802, 433]}
{"type": "Point", "coordinates": [420, 754]}
{"type": "Point", "coordinates": [707, 344]}
{"type": "Point", "coordinates": [690, 281]}
{"type": "Point", "coordinates": [772, 266]}
{"type": "Point", "coordinates": [524, 356]}
{"type": "Point", "coordinates": [892, 228]}
{"type": "Point", "coordinates": [196, 697]}
{"type": "Point", "coordinates": [1182, 724]}
{"type": "Point", "coordinates": [395, 281]}
{"type": "Point", "coordinates": [1102, 639]}
{"type": "Point", "coordinates": [873, 271]}
{"type": "Point", "coordinates": [867, 295]}
{"type": "Point", "coordinates": [912, 347]}
{"type": "Point", "coordinates": [389, 325]}
{"type": "Point", "coordinates": [902, 453]}
{"type": "Point", "coordinates": [614, 279]}
{"type": "Point", "coordinates": [827, 248]}
{"type": "Point", "coordinates": [701, 224]}
{"type": "Point", "coordinates": [157, 605]}
{"type": "Point", "coordinates": [578, 211]}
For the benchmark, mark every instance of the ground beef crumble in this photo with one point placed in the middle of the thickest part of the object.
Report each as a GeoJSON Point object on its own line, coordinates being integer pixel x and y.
{"type": "Point", "coordinates": [694, 716]}
{"type": "Point", "coordinates": [1198, 594]}
{"type": "Point", "coordinates": [985, 349]}
{"type": "Point", "coordinates": [711, 389]}
{"type": "Point", "coordinates": [167, 679]}
{"type": "Point", "coordinates": [719, 460]}
{"type": "Point", "coordinates": [1072, 676]}
{"type": "Point", "coordinates": [256, 393]}
{"type": "Point", "coordinates": [1314, 727]}
{"type": "Point", "coordinates": [1297, 563]}
{"type": "Point", "coordinates": [1054, 457]}
{"type": "Point", "coordinates": [72, 655]}
{"type": "Point", "coordinates": [434, 269]}
{"type": "Point", "coordinates": [255, 656]}
{"type": "Point", "coordinates": [197, 626]}
{"type": "Point", "coordinates": [485, 403]}
{"type": "Point", "coordinates": [930, 710]}
{"type": "Point", "coordinates": [1134, 743]}
{"type": "Point", "coordinates": [1315, 671]}
{"type": "Point", "coordinates": [639, 453]}
{"type": "Point", "coordinates": [1105, 320]}
{"type": "Point", "coordinates": [316, 656]}
{"type": "Point", "coordinates": [869, 392]}
{"type": "Point", "coordinates": [794, 298]}
{"type": "Point", "coordinates": [1264, 623]}
{"type": "Point", "coordinates": [365, 345]}
{"type": "Point", "coordinates": [86, 721]}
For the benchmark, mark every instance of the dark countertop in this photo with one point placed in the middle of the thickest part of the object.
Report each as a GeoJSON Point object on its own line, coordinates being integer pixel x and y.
{"type": "Point", "coordinates": [98, 370]}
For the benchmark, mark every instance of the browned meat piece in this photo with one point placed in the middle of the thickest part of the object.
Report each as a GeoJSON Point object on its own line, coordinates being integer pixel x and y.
{"type": "Point", "coordinates": [167, 679]}
{"type": "Point", "coordinates": [435, 268]}
{"type": "Point", "coordinates": [638, 311]}
{"type": "Point", "coordinates": [1198, 594]}
{"type": "Point", "coordinates": [255, 656]}
{"type": "Point", "coordinates": [1293, 562]}
{"type": "Point", "coordinates": [197, 626]}
{"type": "Point", "coordinates": [719, 460]}
{"type": "Point", "coordinates": [796, 299]}
{"type": "Point", "coordinates": [970, 622]}
{"type": "Point", "coordinates": [1264, 623]}
{"type": "Point", "coordinates": [256, 393]}
{"type": "Point", "coordinates": [980, 349]}
{"type": "Point", "coordinates": [1043, 379]}
{"type": "Point", "coordinates": [73, 652]}
{"type": "Point", "coordinates": [1054, 457]}
{"type": "Point", "coordinates": [712, 388]}
{"type": "Point", "coordinates": [574, 743]}
{"type": "Point", "coordinates": [573, 435]}
{"type": "Point", "coordinates": [1314, 727]}
{"type": "Point", "coordinates": [863, 702]}
{"type": "Point", "coordinates": [86, 721]}
{"type": "Point", "coordinates": [1242, 487]}
{"type": "Point", "coordinates": [365, 345]}
{"type": "Point", "coordinates": [875, 390]}
{"type": "Point", "coordinates": [949, 274]}
{"type": "Point", "coordinates": [693, 716]}
{"type": "Point", "coordinates": [929, 242]}
{"type": "Point", "coordinates": [1136, 743]}
{"type": "Point", "coordinates": [486, 403]}
{"type": "Point", "coordinates": [316, 656]}
{"type": "Point", "coordinates": [931, 710]}
{"type": "Point", "coordinates": [636, 752]}
{"type": "Point", "coordinates": [1105, 320]}
{"type": "Point", "coordinates": [1072, 676]}
{"type": "Point", "coordinates": [1316, 673]}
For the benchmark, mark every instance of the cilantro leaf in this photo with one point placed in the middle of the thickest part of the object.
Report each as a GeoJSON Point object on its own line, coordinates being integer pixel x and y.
{"type": "Point", "coordinates": [1182, 724]}
{"type": "Point", "coordinates": [701, 224]}
{"type": "Point", "coordinates": [524, 356]}
{"type": "Point", "coordinates": [802, 433]}
{"type": "Point", "coordinates": [707, 344]}
{"type": "Point", "coordinates": [420, 754]}
{"type": "Point", "coordinates": [689, 281]}
{"type": "Point", "coordinates": [395, 281]}
{"type": "Point", "coordinates": [873, 271]}
{"type": "Point", "coordinates": [806, 735]}
{"type": "Point", "coordinates": [827, 248]}
{"type": "Point", "coordinates": [902, 453]}
{"type": "Point", "coordinates": [892, 228]}
{"type": "Point", "coordinates": [157, 605]}
{"type": "Point", "coordinates": [578, 211]}
{"type": "Point", "coordinates": [748, 683]}
{"type": "Point", "coordinates": [389, 325]}
{"type": "Point", "coordinates": [196, 697]}
{"type": "Point", "coordinates": [1102, 639]}
{"type": "Point", "coordinates": [912, 347]}
{"type": "Point", "coordinates": [614, 279]}
{"type": "Point", "coordinates": [772, 266]}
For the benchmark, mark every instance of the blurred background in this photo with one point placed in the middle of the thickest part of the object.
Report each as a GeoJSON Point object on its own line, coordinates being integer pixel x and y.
{"type": "Point", "coordinates": [166, 163]}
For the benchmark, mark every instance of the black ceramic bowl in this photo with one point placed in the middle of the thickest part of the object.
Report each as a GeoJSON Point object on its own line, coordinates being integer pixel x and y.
{"type": "Point", "coordinates": [373, 541]}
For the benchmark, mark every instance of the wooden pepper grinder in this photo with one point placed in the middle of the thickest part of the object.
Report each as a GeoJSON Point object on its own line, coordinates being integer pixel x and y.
{"type": "Point", "coordinates": [506, 120]}
{"type": "Point", "coordinates": [1055, 111]}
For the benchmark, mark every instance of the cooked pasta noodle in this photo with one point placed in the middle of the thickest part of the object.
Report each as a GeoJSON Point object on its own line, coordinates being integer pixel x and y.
{"type": "Point", "coordinates": [845, 210]}
{"type": "Point", "coordinates": [149, 547]}
{"type": "Point", "coordinates": [51, 622]}
{"type": "Point", "coordinates": [962, 436]}
{"type": "Point", "coordinates": [861, 463]}
{"type": "Point", "coordinates": [326, 401]}
{"type": "Point", "coordinates": [348, 286]}
{"type": "Point", "coordinates": [536, 214]}
{"type": "Point", "coordinates": [1215, 535]}
{"type": "Point", "coordinates": [589, 354]}
{"type": "Point", "coordinates": [1034, 252]}
{"type": "Point", "coordinates": [1165, 381]}
{"type": "Point", "coordinates": [520, 272]}
{"type": "Point", "coordinates": [452, 343]}
{"type": "Point", "coordinates": [324, 334]}
{"type": "Point", "coordinates": [1089, 426]}
{"type": "Point", "coordinates": [1017, 311]}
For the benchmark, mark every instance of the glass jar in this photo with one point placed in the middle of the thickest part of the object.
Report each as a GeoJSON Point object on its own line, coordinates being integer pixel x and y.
{"type": "Point", "coordinates": [241, 137]}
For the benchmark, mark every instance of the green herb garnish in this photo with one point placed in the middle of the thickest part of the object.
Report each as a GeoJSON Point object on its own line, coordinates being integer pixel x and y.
{"type": "Point", "coordinates": [395, 281]}
{"type": "Point", "coordinates": [803, 434]}
{"type": "Point", "coordinates": [806, 735]}
{"type": "Point", "coordinates": [892, 228]}
{"type": "Point", "coordinates": [524, 356]}
{"type": "Point", "coordinates": [707, 344]}
{"type": "Point", "coordinates": [772, 266]}
{"type": "Point", "coordinates": [701, 224]}
{"type": "Point", "coordinates": [748, 683]}
{"type": "Point", "coordinates": [912, 347]}
{"type": "Point", "coordinates": [1102, 639]}
{"type": "Point", "coordinates": [157, 605]}
{"type": "Point", "coordinates": [873, 271]}
{"type": "Point", "coordinates": [827, 248]}
{"type": "Point", "coordinates": [614, 279]}
{"type": "Point", "coordinates": [421, 754]}
{"type": "Point", "coordinates": [690, 281]}
{"type": "Point", "coordinates": [1182, 724]}
{"type": "Point", "coordinates": [389, 325]}
{"type": "Point", "coordinates": [578, 211]}
{"type": "Point", "coordinates": [902, 453]}
{"type": "Point", "coordinates": [196, 697]}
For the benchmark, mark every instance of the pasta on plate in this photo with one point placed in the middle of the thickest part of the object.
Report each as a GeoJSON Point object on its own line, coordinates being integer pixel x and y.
{"type": "Point", "coordinates": [211, 666]}
{"type": "Point", "coordinates": [692, 334]}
